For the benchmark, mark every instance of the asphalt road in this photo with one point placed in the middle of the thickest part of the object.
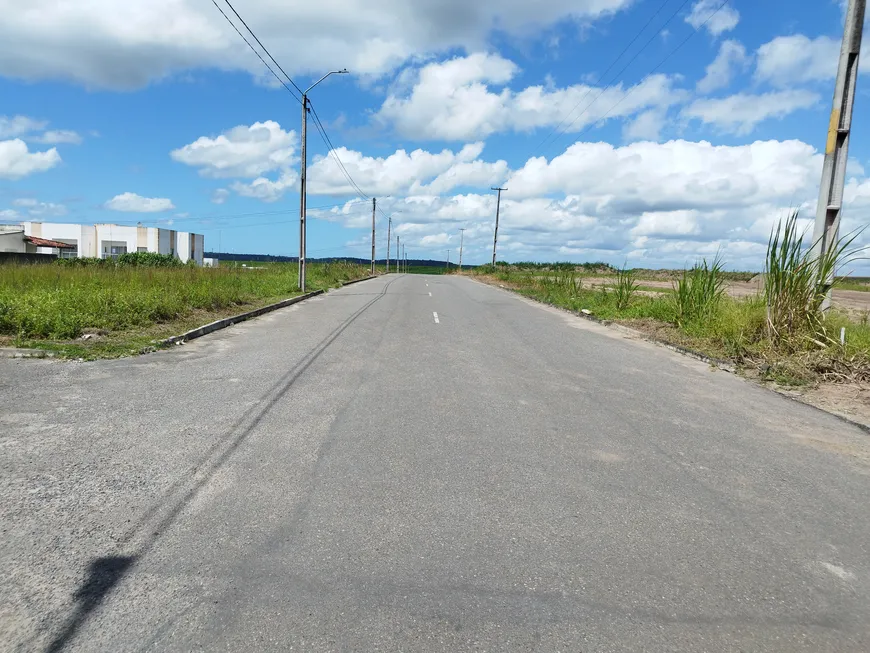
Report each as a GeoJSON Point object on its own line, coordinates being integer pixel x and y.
{"type": "Point", "coordinates": [350, 474]}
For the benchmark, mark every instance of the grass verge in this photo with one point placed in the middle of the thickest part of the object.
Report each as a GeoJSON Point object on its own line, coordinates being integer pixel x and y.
{"type": "Point", "coordinates": [708, 322]}
{"type": "Point", "coordinates": [111, 311]}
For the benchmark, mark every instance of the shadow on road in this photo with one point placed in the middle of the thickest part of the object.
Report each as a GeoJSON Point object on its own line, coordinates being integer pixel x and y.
{"type": "Point", "coordinates": [103, 575]}
{"type": "Point", "coordinates": [106, 572]}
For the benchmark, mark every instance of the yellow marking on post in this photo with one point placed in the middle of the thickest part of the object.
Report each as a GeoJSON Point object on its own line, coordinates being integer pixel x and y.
{"type": "Point", "coordinates": [832, 132]}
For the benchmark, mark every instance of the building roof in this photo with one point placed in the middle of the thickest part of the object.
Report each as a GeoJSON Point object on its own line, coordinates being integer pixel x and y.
{"type": "Point", "coordinates": [45, 242]}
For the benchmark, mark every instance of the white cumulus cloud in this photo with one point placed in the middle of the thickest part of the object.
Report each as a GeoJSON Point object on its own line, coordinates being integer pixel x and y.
{"type": "Point", "coordinates": [105, 43]}
{"type": "Point", "coordinates": [788, 60]}
{"type": "Point", "coordinates": [464, 98]}
{"type": "Point", "coordinates": [11, 126]}
{"type": "Point", "coordinates": [219, 196]}
{"type": "Point", "coordinates": [716, 16]}
{"type": "Point", "coordinates": [17, 161]}
{"type": "Point", "coordinates": [35, 208]}
{"type": "Point", "coordinates": [731, 59]}
{"type": "Point", "coordinates": [57, 136]}
{"type": "Point", "coordinates": [741, 113]}
{"type": "Point", "coordinates": [243, 151]}
{"type": "Point", "coordinates": [133, 203]}
{"type": "Point", "coordinates": [653, 204]}
{"type": "Point", "coordinates": [405, 172]}
{"type": "Point", "coordinates": [268, 190]}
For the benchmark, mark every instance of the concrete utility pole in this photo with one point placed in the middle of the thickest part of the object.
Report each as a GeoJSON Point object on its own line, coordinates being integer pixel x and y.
{"type": "Point", "coordinates": [302, 193]}
{"type": "Point", "coordinates": [303, 177]}
{"type": "Point", "coordinates": [495, 234]}
{"type": "Point", "coordinates": [389, 229]}
{"type": "Point", "coordinates": [398, 257]}
{"type": "Point", "coordinates": [374, 206]}
{"type": "Point", "coordinates": [448, 259]}
{"type": "Point", "coordinates": [461, 239]}
{"type": "Point", "coordinates": [830, 204]}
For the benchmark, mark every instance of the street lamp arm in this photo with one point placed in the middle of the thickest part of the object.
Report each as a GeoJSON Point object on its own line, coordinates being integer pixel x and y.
{"type": "Point", "coordinates": [343, 71]}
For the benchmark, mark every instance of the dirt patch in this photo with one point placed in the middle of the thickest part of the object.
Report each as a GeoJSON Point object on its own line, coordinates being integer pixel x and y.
{"type": "Point", "coordinates": [850, 400]}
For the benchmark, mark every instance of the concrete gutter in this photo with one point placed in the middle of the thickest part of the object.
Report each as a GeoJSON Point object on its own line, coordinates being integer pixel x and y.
{"type": "Point", "coordinates": [217, 325]}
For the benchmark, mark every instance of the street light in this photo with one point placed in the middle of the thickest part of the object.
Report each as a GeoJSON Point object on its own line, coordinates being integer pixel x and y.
{"type": "Point", "coordinates": [303, 179]}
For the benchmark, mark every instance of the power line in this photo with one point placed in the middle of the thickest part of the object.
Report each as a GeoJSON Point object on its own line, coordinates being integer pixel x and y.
{"type": "Point", "coordinates": [659, 65]}
{"type": "Point", "coordinates": [271, 70]}
{"type": "Point", "coordinates": [265, 49]}
{"type": "Point", "coordinates": [625, 67]}
{"type": "Point", "coordinates": [325, 137]}
{"type": "Point", "coordinates": [600, 77]}
{"type": "Point", "coordinates": [326, 140]}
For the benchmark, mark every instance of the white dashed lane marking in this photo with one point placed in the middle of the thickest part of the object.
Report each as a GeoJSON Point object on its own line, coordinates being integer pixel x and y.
{"type": "Point", "coordinates": [435, 315]}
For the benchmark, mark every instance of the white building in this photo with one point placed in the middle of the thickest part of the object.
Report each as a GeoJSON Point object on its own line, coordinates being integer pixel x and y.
{"type": "Point", "coordinates": [107, 240]}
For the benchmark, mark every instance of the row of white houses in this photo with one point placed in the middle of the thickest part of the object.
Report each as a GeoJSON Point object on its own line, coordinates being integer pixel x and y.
{"type": "Point", "coordinates": [99, 240]}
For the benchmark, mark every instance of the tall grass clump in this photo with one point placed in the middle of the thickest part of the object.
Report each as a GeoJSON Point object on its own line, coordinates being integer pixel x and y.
{"type": "Point", "coordinates": [698, 292]}
{"type": "Point", "coordinates": [561, 284]}
{"type": "Point", "coordinates": [625, 288]}
{"type": "Point", "coordinates": [796, 282]}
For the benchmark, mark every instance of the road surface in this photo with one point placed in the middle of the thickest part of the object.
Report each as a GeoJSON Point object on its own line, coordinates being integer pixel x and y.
{"type": "Point", "coordinates": [353, 474]}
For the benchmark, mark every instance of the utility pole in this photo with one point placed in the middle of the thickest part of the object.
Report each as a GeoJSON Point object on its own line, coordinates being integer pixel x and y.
{"type": "Point", "coordinates": [302, 193]}
{"type": "Point", "coordinates": [495, 233]}
{"type": "Point", "coordinates": [303, 188]}
{"type": "Point", "coordinates": [448, 259]}
{"type": "Point", "coordinates": [389, 229]}
{"type": "Point", "coordinates": [398, 257]}
{"type": "Point", "coordinates": [829, 209]}
{"type": "Point", "coordinates": [374, 206]}
{"type": "Point", "coordinates": [461, 239]}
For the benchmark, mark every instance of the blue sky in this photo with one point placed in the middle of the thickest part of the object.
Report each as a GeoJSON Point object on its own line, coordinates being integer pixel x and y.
{"type": "Point", "coordinates": [158, 112]}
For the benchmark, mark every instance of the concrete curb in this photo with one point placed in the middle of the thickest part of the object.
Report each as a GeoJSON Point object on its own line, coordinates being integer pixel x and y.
{"type": "Point", "coordinates": [15, 352]}
{"type": "Point", "coordinates": [350, 283]}
{"type": "Point", "coordinates": [235, 319]}
{"type": "Point", "coordinates": [217, 325]}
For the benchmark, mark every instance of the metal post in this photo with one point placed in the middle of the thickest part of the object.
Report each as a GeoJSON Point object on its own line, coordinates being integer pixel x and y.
{"type": "Point", "coordinates": [828, 211]}
{"type": "Point", "coordinates": [302, 193]}
{"type": "Point", "coordinates": [461, 239]}
{"type": "Point", "coordinates": [389, 229]}
{"type": "Point", "coordinates": [303, 188]}
{"type": "Point", "coordinates": [495, 233]}
{"type": "Point", "coordinates": [374, 206]}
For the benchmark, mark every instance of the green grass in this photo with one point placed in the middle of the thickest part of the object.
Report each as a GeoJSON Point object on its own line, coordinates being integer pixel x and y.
{"type": "Point", "coordinates": [711, 323]}
{"type": "Point", "coordinates": [851, 284]}
{"type": "Point", "coordinates": [53, 305]}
